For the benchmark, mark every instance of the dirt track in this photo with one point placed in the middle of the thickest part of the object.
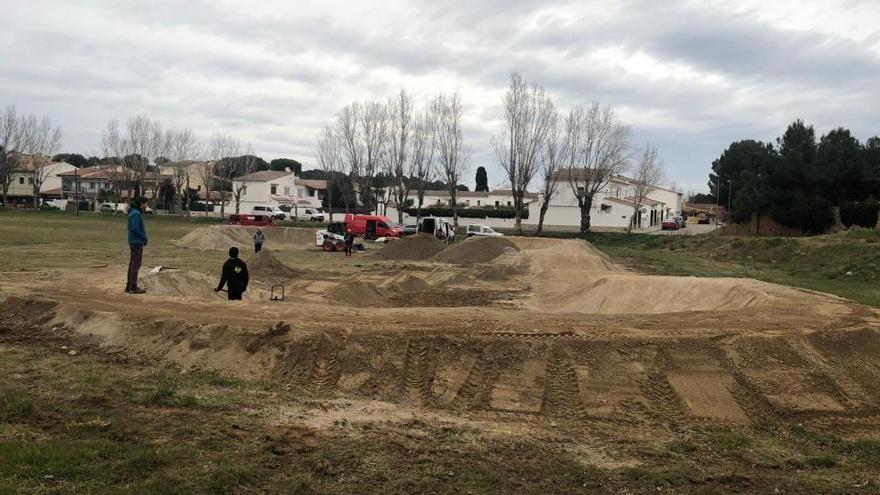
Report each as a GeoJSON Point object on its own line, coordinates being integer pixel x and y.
{"type": "Point", "coordinates": [549, 331]}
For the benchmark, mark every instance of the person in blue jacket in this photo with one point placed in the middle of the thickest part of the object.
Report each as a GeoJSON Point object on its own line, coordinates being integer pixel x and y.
{"type": "Point", "coordinates": [137, 239]}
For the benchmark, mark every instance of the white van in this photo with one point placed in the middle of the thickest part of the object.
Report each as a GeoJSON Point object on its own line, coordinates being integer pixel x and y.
{"type": "Point", "coordinates": [271, 211]}
{"type": "Point", "coordinates": [308, 214]}
{"type": "Point", "coordinates": [482, 231]}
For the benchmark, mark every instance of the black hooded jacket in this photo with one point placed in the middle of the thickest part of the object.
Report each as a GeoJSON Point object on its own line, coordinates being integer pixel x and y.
{"type": "Point", "coordinates": [235, 273]}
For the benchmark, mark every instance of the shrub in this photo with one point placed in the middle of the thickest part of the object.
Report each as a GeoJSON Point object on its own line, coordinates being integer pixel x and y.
{"type": "Point", "coordinates": [862, 214]}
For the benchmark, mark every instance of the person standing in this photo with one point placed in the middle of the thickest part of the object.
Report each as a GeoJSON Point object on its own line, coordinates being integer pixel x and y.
{"type": "Point", "coordinates": [349, 243]}
{"type": "Point", "coordinates": [235, 275]}
{"type": "Point", "coordinates": [258, 241]}
{"type": "Point", "coordinates": [137, 239]}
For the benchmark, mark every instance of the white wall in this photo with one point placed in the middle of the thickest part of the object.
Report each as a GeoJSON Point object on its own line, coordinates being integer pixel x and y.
{"type": "Point", "coordinates": [51, 179]}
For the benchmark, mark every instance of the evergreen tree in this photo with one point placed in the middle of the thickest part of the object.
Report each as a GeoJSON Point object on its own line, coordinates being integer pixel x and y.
{"type": "Point", "coordinates": [482, 180]}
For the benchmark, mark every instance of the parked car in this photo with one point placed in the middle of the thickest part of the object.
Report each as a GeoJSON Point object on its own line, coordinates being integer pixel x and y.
{"type": "Point", "coordinates": [372, 226]}
{"type": "Point", "coordinates": [682, 221]}
{"type": "Point", "coordinates": [703, 221]}
{"type": "Point", "coordinates": [671, 224]}
{"type": "Point", "coordinates": [120, 208]}
{"type": "Point", "coordinates": [309, 214]}
{"type": "Point", "coordinates": [252, 220]}
{"type": "Point", "coordinates": [272, 211]}
{"type": "Point", "coordinates": [410, 229]}
{"type": "Point", "coordinates": [482, 231]}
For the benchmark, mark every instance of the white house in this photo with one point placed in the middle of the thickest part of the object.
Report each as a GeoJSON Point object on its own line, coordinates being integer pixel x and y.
{"type": "Point", "coordinates": [51, 173]}
{"type": "Point", "coordinates": [612, 207]}
{"type": "Point", "coordinates": [276, 188]}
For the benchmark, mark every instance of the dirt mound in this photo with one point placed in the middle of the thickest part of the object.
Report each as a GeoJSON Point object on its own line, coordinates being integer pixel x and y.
{"type": "Point", "coordinates": [223, 237]}
{"type": "Point", "coordinates": [358, 293]}
{"type": "Point", "coordinates": [644, 294]}
{"type": "Point", "coordinates": [264, 266]}
{"type": "Point", "coordinates": [406, 283]}
{"type": "Point", "coordinates": [184, 283]}
{"type": "Point", "coordinates": [412, 248]}
{"type": "Point", "coordinates": [475, 250]}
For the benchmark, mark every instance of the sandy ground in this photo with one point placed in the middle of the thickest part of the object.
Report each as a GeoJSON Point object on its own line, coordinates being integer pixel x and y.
{"type": "Point", "coordinates": [545, 331]}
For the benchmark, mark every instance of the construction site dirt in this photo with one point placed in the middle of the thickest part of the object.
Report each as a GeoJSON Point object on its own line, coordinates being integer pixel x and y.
{"type": "Point", "coordinates": [544, 331]}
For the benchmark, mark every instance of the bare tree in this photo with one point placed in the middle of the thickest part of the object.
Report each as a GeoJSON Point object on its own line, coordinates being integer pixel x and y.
{"type": "Point", "coordinates": [599, 147]}
{"type": "Point", "coordinates": [396, 156]}
{"type": "Point", "coordinates": [422, 156]}
{"type": "Point", "coordinates": [374, 125]}
{"type": "Point", "coordinates": [10, 148]}
{"type": "Point", "coordinates": [40, 140]}
{"type": "Point", "coordinates": [329, 156]}
{"type": "Point", "coordinates": [207, 174]}
{"type": "Point", "coordinates": [647, 174]}
{"type": "Point", "coordinates": [451, 152]}
{"type": "Point", "coordinates": [528, 116]}
{"type": "Point", "coordinates": [348, 129]}
{"type": "Point", "coordinates": [223, 146]}
{"type": "Point", "coordinates": [144, 142]}
{"type": "Point", "coordinates": [120, 174]}
{"type": "Point", "coordinates": [242, 165]}
{"type": "Point", "coordinates": [184, 147]}
{"type": "Point", "coordinates": [552, 157]}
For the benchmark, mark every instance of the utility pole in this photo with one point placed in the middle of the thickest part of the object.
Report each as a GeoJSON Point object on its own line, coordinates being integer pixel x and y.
{"type": "Point", "coordinates": [717, 200]}
{"type": "Point", "coordinates": [76, 188]}
{"type": "Point", "coordinates": [729, 189]}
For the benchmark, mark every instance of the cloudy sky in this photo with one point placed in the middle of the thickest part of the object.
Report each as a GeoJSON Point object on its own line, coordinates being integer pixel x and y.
{"type": "Point", "coordinates": [689, 76]}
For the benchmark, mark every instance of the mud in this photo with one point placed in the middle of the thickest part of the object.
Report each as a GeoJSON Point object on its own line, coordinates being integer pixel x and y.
{"type": "Point", "coordinates": [545, 331]}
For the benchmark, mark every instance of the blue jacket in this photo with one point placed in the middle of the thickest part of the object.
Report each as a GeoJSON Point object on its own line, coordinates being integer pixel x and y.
{"type": "Point", "coordinates": [137, 234]}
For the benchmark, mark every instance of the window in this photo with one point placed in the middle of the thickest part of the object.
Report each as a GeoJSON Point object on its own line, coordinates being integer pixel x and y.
{"type": "Point", "coordinates": [286, 190]}
{"type": "Point", "coordinates": [273, 189]}
{"type": "Point", "coordinates": [30, 180]}
{"type": "Point", "coordinates": [21, 180]}
{"type": "Point", "coordinates": [581, 190]}
{"type": "Point", "coordinates": [498, 203]}
{"type": "Point", "coordinates": [478, 203]}
{"type": "Point", "coordinates": [299, 192]}
{"type": "Point", "coordinates": [509, 204]}
{"type": "Point", "coordinates": [606, 208]}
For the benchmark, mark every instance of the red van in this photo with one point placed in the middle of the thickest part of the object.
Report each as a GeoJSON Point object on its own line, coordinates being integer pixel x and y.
{"type": "Point", "coordinates": [372, 226]}
{"type": "Point", "coordinates": [252, 220]}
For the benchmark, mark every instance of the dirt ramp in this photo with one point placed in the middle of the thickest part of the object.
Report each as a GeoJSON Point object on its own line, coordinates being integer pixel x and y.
{"type": "Point", "coordinates": [416, 247]}
{"type": "Point", "coordinates": [222, 237]}
{"type": "Point", "coordinates": [359, 294]}
{"type": "Point", "coordinates": [475, 250]}
{"type": "Point", "coordinates": [265, 266]}
{"type": "Point", "coordinates": [643, 294]}
{"type": "Point", "coordinates": [185, 283]}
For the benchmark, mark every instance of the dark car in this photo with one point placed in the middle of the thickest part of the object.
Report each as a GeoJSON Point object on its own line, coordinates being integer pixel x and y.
{"type": "Point", "coordinates": [670, 224]}
{"type": "Point", "coordinates": [410, 229]}
{"type": "Point", "coordinates": [703, 221]}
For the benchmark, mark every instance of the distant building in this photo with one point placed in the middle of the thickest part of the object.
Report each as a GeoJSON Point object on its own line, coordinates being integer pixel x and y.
{"type": "Point", "coordinates": [277, 188]}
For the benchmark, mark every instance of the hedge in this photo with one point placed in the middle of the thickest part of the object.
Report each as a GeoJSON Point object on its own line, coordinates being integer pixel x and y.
{"type": "Point", "coordinates": [468, 212]}
{"type": "Point", "coordinates": [862, 214]}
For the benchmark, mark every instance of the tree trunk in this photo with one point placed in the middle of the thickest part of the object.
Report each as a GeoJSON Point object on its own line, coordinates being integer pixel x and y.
{"type": "Point", "coordinates": [585, 214]}
{"type": "Point", "coordinates": [544, 207]}
{"type": "Point", "coordinates": [517, 213]}
{"type": "Point", "coordinates": [329, 201]}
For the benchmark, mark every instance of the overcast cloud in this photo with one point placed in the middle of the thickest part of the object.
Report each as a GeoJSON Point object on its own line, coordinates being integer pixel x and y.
{"type": "Point", "coordinates": [690, 77]}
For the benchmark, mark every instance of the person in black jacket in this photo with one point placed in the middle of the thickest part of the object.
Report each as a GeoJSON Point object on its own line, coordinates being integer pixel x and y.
{"type": "Point", "coordinates": [235, 275]}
